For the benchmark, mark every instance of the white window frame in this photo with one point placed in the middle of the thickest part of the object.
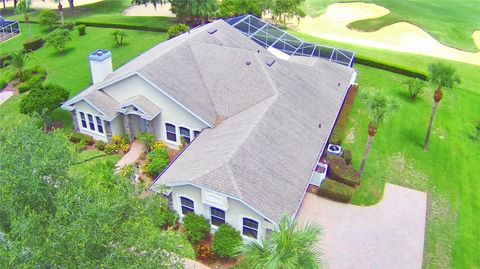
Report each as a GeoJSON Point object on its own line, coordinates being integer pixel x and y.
{"type": "Point", "coordinates": [87, 129]}
{"type": "Point", "coordinates": [181, 205]}
{"type": "Point", "coordinates": [241, 227]}
{"type": "Point", "coordinates": [92, 122]}
{"type": "Point", "coordinates": [99, 125]}
{"type": "Point", "coordinates": [83, 119]}
{"type": "Point", "coordinates": [193, 133]}
{"type": "Point", "coordinates": [213, 216]}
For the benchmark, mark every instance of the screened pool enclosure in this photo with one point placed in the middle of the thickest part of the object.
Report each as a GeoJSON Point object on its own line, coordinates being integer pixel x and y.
{"type": "Point", "coordinates": [270, 36]}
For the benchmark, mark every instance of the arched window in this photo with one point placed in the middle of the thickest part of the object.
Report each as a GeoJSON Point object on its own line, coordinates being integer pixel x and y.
{"type": "Point", "coordinates": [185, 133]}
{"type": "Point", "coordinates": [171, 132]}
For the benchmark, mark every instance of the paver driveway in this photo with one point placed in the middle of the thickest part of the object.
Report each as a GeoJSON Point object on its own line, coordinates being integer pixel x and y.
{"type": "Point", "coordinates": [387, 235]}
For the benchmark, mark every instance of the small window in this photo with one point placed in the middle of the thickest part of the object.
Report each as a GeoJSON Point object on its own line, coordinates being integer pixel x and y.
{"type": "Point", "coordinates": [196, 133]}
{"type": "Point", "coordinates": [171, 133]}
{"type": "Point", "coordinates": [187, 205]}
{"type": "Point", "coordinates": [217, 216]}
{"type": "Point", "coordinates": [99, 125]}
{"type": "Point", "coordinates": [90, 122]}
{"type": "Point", "coordinates": [84, 121]}
{"type": "Point", "coordinates": [185, 133]}
{"type": "Point", "coordinates": [250, 228]}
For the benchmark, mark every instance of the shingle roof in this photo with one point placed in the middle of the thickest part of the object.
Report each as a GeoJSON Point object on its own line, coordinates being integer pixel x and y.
{"type": "Point", "coordinates": [146, 106]}
{"type": "Point", "coordinates": [264, 151]}
{"type": "Point", "coordinates": [102, 102]}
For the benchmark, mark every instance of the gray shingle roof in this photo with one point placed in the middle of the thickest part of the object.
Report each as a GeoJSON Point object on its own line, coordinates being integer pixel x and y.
{"type": "Point", "coordinates": [103, 102]}
{"type": "Point", "coordinates": [264, 151]}
{"type": "Point", "coordinates": [141, 102]}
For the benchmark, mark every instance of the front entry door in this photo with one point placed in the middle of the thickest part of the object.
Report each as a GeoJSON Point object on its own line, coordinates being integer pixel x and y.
{"type": "Point", "coordinates": [143, 125]}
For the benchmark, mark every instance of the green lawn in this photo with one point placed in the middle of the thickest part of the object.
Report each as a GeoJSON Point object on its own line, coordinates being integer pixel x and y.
{"type": "Point", "coordinates": [449, 171]}
{"type": "Point", "coordinates": [107, 11]}
{"type": "Point", "coordinates": [71, 70]}
{"type": "Point", "coordinates": [450, 22]}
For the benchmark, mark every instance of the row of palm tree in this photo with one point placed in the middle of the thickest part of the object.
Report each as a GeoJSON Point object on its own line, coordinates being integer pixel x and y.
{"type": "Point", "coordinates": [379, 107]}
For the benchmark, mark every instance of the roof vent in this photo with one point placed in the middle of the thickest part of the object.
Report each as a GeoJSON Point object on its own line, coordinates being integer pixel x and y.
{"type": "Point", "coordinates": [270, 62]}
{"type": "Point", "coordinates": [248, 62]}
{"type": "Point", "coordinates": [212, 31]}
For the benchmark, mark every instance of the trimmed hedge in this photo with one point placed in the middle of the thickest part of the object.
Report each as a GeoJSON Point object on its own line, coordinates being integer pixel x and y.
{"type": "Point", "coordinates": [338, 170]}
{"type": "Point", "coordinates": [81, 29]}
{"type": "Point", "coordinates": [122, 26]}
{"type": "Point", "coordinates": [226, 241]}
{"type": "Point", "coordinates": [402, 70]}
{"type": "Point", "coordinates": [33, 44]}
{"type": "Point", "coordinates": [196, 227]}
{"type": "Point", "coordinates": [336, 191]}
{"type": "Point", "coordinates": [31, 83]}
{"type": "Point", "coordinates": [177, 30]}
{"type": "Point", "coordinates": [77, 137]}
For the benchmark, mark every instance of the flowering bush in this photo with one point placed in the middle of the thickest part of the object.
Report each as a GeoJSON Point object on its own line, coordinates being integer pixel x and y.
{"type": "Point", "coordinates": [157, 160]}
{"type": "Point", "coordinates": [116, 139]}
{"type": "Point", "coordinates": [111, 148]}
{"type": "Point", "coordinates": [127, 171]}
{"type": "Point", "coordinates": [159, 145]}
{"type": "Point", "coordinates": [125, 147]}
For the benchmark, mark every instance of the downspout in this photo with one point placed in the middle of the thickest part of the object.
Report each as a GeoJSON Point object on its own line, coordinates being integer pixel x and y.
{"type": "Point", "coordinates": [352, 82]}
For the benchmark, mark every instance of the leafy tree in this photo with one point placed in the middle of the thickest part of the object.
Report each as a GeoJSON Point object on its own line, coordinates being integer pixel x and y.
{"type": "Point", "coordinates": [283, 10]}
{"type": "Point", "coordinates": [195, 10]}
{"type": "Point", "coordinates": [153, 2]}
{"type": "Point", "coordinates": [58, 215]}
{"type": "Point", "coordinates": [415, 87]}
{"type": "Point", "coordinates": [378, 107]}
{"type": "Point", "coordinates": [196, 227]}
{"type": "Point", "coordinates": [118, 36]}
{"type": "Point", "coordinates": [18, 62]}
{"type": "Point", "coordinates": [48, 18]}
{"type": "Point", "coordinates": [441, 76]}
{"type": "Point", "coordinates": [177, 30]}
{"type": "Point", "coordinates": [58, 39]}
{"type": "Point", "coordinates": [232, 8]}
{"type": "Point", "coordinates": [43, 100]}
{"type": "Point", "coordinates": [289, 247]}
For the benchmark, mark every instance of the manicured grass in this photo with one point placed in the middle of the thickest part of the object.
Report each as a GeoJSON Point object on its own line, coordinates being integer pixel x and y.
{"type": "Point", "coordinates": [450, 22]}
{"type": "Point", "coordinates": [71, 69]}
{"type": "Point", "coordinates": [449, 171]}
{"type": "Point", "coordinates": [107, 11]}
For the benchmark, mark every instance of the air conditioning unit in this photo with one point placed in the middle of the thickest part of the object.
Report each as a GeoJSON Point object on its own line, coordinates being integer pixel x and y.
{"type": "Point", "coordinates": [334, 150]}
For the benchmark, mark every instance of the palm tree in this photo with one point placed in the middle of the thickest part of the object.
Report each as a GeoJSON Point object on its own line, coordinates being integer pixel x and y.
{"type": "Point", "coordinates": [442, 76]}
{"type": "Point", "coordinates": [23, 7]}
{"type": "Point", "coordinates": [18, 63]}
{"type": "Point", "coordinates": [378, 107]}
{"type": "Point", "coordinates": [290, 247]}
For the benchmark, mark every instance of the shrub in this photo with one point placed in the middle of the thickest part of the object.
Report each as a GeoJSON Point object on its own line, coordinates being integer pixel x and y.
{"type": "Point", "coordinates": [338, 170]}
{"type": "Point", "coordinates": [127, 171]}
{"type": "Point", "coordinates": [347, 156]}
{"type": "Point", "coordinates": [33, 44]}
{"type": "Point", "coordinates": [116, 139]}
{"type": "Point", "coordinates": [3, 84]}
{"type": "Point", "coordinates": [111, 148]}
{"type": "Point", "coordinates": [32, 83]}
{"type": "Point", "coordinates": [76, 137]}
{"type": "Point", "coordinates": [157, 160]}
{"type": "Point", "coordinates": [226, 241]}
{"type": "Point", "coordinates": [123, 26]}
{"type": "Point", "coordinates": [177, 30]}
{"type": "Point", "coordinates": [415, 87]}
{"type": "Point", "coordinates": [40, 70]}
{"type": "Point", "coordinates": [69, 25]}
{"type": "Point", "coordinates": [205, 253]}
{"type": "Point", "coordinates": [81, 29]}
{"type": "Point", "coordinates": [48, 18]}
{"type": "Point", "coordinates": [159, 145]}
{"type": "Point", "coordinates": [100, 145]}
{"type": "Point", "coordinates": [119, 36]}
{"type": "Point", "coordinates": [196, 227]}
{"type": "Point", "coordinates": [58, 39]}
{"type": "Point", "coordinates": [409, 72]}
{"type": "Point", "coordinates": [4, 60]}
{"type": "Point", "coordinates": [336, 191]}
{"type": "Point", "coordinates": [147, 139]}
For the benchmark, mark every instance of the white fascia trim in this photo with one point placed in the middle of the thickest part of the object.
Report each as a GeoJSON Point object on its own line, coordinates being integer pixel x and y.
{"type": "Point", "coordinates": [231, 197]}
{"type": "Point", "coordinates": [174, 100]}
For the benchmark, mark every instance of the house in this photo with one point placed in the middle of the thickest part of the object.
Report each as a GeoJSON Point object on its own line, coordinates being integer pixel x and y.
{"type": "Point", "coordinates": [257, 124]}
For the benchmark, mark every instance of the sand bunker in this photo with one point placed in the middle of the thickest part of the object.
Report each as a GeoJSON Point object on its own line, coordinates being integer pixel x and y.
{"type": "Point", "coordinates": [400, 36]}
{"type": "Point", "coordinates": [50, 4]}
{"type": "Point", "coordinates": [149, 11]}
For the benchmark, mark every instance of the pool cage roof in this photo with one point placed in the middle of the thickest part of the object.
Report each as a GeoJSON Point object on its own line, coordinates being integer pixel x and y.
{"type": "Point", "coordinates": [268, 35]}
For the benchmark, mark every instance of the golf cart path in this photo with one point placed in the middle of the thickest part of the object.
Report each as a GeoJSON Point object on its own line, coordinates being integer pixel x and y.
{"type": "Point", "coordinates": [389, 234]}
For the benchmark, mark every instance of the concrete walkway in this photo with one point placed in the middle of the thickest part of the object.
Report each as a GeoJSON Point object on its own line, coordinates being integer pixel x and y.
{"type": "Point", "coordinates": [136, 149]}
{"type": "Point", "coordinates": [191, 264]}
{"type": "Point", "coordinates": [387, 235]}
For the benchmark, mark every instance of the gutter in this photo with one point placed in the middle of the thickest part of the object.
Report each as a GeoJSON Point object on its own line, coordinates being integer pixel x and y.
{"type": "Point", "coordinates": [352, 80]}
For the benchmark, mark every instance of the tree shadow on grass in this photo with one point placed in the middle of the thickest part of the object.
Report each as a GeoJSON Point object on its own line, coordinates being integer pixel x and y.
{"type": "Point", "coordinates": [416, 137]}
{"type": "Point", "coordinates": [65, 52]}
